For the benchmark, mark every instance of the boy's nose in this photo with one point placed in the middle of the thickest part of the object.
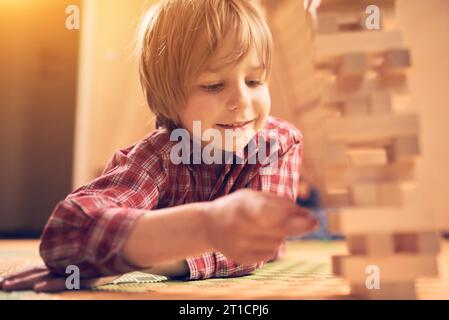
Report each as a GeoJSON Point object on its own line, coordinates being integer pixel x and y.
{"type": "Point", "coordinates": [239, 99]}
{"type": "Point", "coordinates": [237, 106]}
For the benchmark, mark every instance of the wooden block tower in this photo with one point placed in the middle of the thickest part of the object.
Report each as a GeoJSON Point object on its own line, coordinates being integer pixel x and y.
{"type": "Point", "coordinates": [365, 137]}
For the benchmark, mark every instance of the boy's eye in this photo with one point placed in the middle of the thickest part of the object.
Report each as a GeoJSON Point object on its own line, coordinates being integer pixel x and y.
{"type": "Point", "coordinates": [213, 87]}
{"type": "Point", "coordinates": [219, 86]}
{"type": "Point", "coordinates": [254, 83]}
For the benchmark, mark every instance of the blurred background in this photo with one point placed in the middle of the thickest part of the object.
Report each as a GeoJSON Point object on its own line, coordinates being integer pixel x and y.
{"type": "Point", "coordinates": [70, 97]}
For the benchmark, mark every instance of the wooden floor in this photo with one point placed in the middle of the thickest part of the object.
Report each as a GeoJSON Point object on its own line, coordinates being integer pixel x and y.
{"type": "Point", "coordinates": [303, 273]}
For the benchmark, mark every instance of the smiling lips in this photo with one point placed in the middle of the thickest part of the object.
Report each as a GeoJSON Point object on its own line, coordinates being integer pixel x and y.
{"type": "Point", "coordinates": [235, 125]}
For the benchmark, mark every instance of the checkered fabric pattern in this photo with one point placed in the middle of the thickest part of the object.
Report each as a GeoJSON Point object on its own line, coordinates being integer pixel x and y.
{"type": "Point", "coordinates": [90, 226]}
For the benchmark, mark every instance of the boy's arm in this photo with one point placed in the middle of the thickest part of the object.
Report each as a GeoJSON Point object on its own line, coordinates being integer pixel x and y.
{"type": "Point", "coordinates": [168, 234]}
{"type": "Point", "coordinates": [101, 236]}
{"type": "Point", "coordinates": [88, 229]}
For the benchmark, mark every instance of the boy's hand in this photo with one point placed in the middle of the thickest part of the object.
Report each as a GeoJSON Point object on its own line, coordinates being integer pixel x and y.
{"type": "Point", "coordinates": [248, 226]}
{"type": "Point", "coordinates": [40, 279]}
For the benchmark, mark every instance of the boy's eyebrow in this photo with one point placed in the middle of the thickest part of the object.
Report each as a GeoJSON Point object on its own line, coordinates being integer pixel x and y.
{"type": "Point", "coordinates": [217, 69]}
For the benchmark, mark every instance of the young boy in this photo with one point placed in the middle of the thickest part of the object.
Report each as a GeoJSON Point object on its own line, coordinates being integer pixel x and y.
{"type": "Point", "coordinates": [205, 62]}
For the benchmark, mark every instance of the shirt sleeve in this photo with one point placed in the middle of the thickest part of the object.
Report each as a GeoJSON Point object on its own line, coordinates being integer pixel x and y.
{"type": "Point", "coordinates": [283, 180]}
{"type": "Point", "coordinates": [216, 265]}
{"type": "Point", "coordinates": [90, 226]}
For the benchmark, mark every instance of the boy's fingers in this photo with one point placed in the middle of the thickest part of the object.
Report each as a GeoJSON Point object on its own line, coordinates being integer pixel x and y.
{"type": "Point", "coordinates": [264, 244]}
{"type": "Point", "coordinates": [21, 274]}
{"type": "Point", "coordinates": [291, 210]}
{"type": "Point", "coordinates": [24, 283]}
{"type": "Point", "coordinates": [59, 284]}
{"type": "Point", "coordinates": [50, 285]}
{"type": "Point", "coordinates": [300, 225]}
{"type": "Point", "coordinates": [302, 212]}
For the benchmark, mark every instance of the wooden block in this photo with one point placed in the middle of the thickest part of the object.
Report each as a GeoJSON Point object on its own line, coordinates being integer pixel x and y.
{"type": "Point", "coordinates": [317, 116]}
{"type": "Point", "coordinates": [396, 268]}
{"type": "Point", "coordinates": [352, 67]}
{"type": "Point", "coordinates": [334, 93]}
{"type": "Point", "coordinates": [392, 80]}
{"type": "Point", "coordinates": [397, 193]}
{"type": "Point", "coordinates": [367, 157]}
{"type": "Point", "coordinates": [383, 102]}
{"type": "Point", "coordinates": [396, 60]}
{"type": "Point", "coordinates": [356, 106]}
{"type": "Point", "coordinates": [371, 128]}
{"type": "Point", "coordinates": [380, 103]}
{"type": "Point", "coordinates": [344, 6]}
{"type": "Point", "coordinates": [390, 194]}
{"type": "Point", "coordinates": [333, 223]}
{"type": "Point", "coordinates": [403, 149]}
{"type": "Point", "coordinates": [338, 44]}
{"type": "Point", "coordinates": [336, 198]}
{"type": "Point", "coordinates": [381, 244]}
{"type": "Point", "coordinates": [388, 291]}
{"type": "Point", "coordinates": [426, 242]}
{"type": "Point", "coordinates": [356, 244]}
{"type": "Point", "coordinates": [362, 220]}
{"type": "Point", "coordinates": [337, 154]}
{"type": "Point", "coordinates": [343, 177]}
{"type": "Point", "coordinates": [400, 103]}
{"type": "Point", "coordinates": [348, 11]}
{"type": "Point", "coordinates": [411, 196]}
{"type": "Point", "coordinates": [327, 23]}
{"type": "Point", "coordinates": [352, 22]}
{"type": "Point", "coordinates": [364, 194]}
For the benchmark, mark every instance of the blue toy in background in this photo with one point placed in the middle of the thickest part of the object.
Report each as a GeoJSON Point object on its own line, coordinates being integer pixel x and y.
{"type": "Point", "coordinates": [309, 198]}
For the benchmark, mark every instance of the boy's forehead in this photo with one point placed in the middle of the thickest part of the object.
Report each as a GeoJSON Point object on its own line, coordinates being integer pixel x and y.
{"type": "Point", "coordinates": [226, 57]}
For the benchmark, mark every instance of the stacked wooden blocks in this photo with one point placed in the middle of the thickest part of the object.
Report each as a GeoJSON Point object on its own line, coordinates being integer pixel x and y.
{"type": "Point", "coordinates": [371, 145]}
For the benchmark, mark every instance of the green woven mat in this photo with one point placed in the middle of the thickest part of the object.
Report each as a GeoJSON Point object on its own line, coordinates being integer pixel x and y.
{"type": "Point", "coordinates": [275, 273]}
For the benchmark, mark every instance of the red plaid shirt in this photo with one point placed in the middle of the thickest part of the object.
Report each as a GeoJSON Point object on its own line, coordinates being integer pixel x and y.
{"type": "Point", "coordinates": [90, 226]}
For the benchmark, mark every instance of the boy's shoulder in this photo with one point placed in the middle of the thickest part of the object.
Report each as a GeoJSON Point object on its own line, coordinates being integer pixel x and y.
{"type": "Point", "coordinates": [153, 148]}
{"type": "Point", "coordinates": [157, 144]}
{"type": "Point", "coordinates": [284, 132]}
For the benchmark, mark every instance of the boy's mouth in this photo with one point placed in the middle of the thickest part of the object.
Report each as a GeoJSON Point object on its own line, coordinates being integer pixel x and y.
{"type": "Point", "coordinates": [235, 125]}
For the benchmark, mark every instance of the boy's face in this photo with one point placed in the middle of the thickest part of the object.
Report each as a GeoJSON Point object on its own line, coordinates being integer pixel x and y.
{"type": "Point", "coordinates": [234, 98]}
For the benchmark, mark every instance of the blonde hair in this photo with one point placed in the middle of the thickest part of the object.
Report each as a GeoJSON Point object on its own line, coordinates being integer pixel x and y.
{"type": "Point", "coordinates": [177, 38]}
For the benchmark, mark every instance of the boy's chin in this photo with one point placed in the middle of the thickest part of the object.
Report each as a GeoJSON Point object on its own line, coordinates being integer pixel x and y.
{"type": "Point", "coordinates": [232, 143]}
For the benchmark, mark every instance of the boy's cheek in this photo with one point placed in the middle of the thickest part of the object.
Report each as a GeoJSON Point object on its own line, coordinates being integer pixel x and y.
{"type": "Point", "coordinates": [261, 121]}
